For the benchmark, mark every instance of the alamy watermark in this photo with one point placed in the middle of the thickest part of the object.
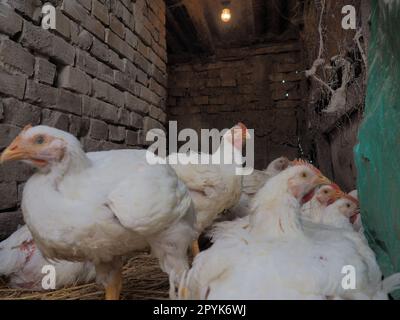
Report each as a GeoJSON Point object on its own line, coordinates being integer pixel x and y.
{"type": "Point", "coordinates": [49, 279]}
{"type": "Point", "coordinates": [226, 147]}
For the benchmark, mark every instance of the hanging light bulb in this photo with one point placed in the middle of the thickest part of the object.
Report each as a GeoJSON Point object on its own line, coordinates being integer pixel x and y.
{"type": "Point", "coordinates": [226, 15]}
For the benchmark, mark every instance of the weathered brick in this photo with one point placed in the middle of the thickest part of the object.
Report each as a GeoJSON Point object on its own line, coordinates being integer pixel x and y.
{"type": "Point", "coordinates": [105, 73]}
{"type": "Point", "coordinates": [157, 113]}
{"type": "Point", "coordinates": [219, 100]}
{"type": "Point", "coordinates": [85, 40]}
{"type": "Point", "coordinates": [74, 28]}
{"type": "Point", "coordinates": [141, 62]}
{"type": "Point", "coordinates": [8, 132]}
{"type": "Point", "coordinates": [45, 71]}
{"type": "Point", "coordinates": [159, 76]}
{"type": "Point", "coordinates": [95, 108]}
{"type": "Point", "coordinates": [200, 100]}
{"type": "Point", "coordinates": [87, 63]}
{"type": "Point", "coordinates": [142, 32]}
{"type": "Point", "coordinates": [20, 113]}
{"type": "Point", "coordinates": [149, 124]}
{"type": "Point", "coordinates": [9, 195]}
{"type": "Point", "coordinates": [98, 129]}
{"type": "Point", "coordinates": [78, 13]}
{"type": "Point", "coordinates": [37, 39]}
{"type": "Point", "coordinates": [143, 49]}
{"type": "Point", "coordinates": [62, 51]}
{"type": "Point", "coordinates": [136, 120]}
{"type": "Point", "coordinates": [142, 77]}
{"type": "Point", "coordinates": [124, 117]}
{"type": "Point", "coordinates": [123, 13]}
{"type": "Point", "coordinates": [63, 26]}
{"type": "Point", "coordinates": [9, 222]}
{"type": "Point", "coordinates": [100, 50]}
{"type": "Point", "coordinates": [116, 133]}
{"type": "Point", "coordinates": [127, 4]}
{"type": "Point", "coordinates": [75, 80]}
{"type": "Point", "coordinates": [12, 85]}
{"type": "Point", "coordinates": [115, 60]}
{"type": "Point", "coordinates": [119, 45]}
{"type": "Point", "coordinates": [122, 80]}
{"type": "Point", "coordinates": [10, 22]}
{"type": "Point", "coordinates": [14, 55]}
{"type": "Point", "coordinates": [14, 171]}
{"type": "Point", "coordinates": [106, 92]}
{"type": "Point", "coordinates": [100, 11]}
{"type": "Point", "coordinates": [86, 3]}
{"type": "Point", "coordinates": [130, 69]}
{"type": "Point", "coordinates": [91, 145]}
{"type": "Point", "coordinates": [69, 102]}
{"type": "Point", "coordinates": [117, 26]}
{"type": "Point", "coordinates": [74, 10]}
{"type": "Point", "coordinates": [44, 42]}
{"type": "Point", "coordinates": [31, 8]}
{"type": "Point", "coordinates": [133, 138]}
{"type": "Point", "coordinates": [131, 38]}
{"type": "Point", "coordinates": [155, 59]}
{"type": "Point", "coordinates": [75, 125]}
{"type": "Point", "coordinates": [55, 119]}
{"type": "Point", "coordinates": [107, 145]}
{"type": "Point", "coordinates": [157, 88]}
{"type": "Point", "coordinates": [135, 104]}
{"type": "Point", "coordinates": [148, 95]}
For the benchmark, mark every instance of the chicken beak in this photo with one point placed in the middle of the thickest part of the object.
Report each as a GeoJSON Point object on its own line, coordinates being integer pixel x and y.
{"type": "Point", "coordinates": [339, 195]}
{"type": "Point", "coordinates": [14, 152]}
{"type": "Point", "coordinates": [322, 180]}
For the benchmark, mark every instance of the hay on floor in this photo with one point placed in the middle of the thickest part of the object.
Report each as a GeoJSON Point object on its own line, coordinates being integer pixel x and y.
{"type": "Point", "coordinates": [143, 280]}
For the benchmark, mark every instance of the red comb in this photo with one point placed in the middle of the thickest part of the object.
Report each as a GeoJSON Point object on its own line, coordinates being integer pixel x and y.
{"type": "Point", "coordinates": [336, 187]}
{"type": "Point", "coordinates": [242, 126]}
{"type": "Point", "coordinates": [301, 162]}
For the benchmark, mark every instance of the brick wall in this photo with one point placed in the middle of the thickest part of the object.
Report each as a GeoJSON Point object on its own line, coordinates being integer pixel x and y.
{"type": "Point", "coordinates": [101, 75]}
{"type": "Point", "coordinates": [260, 86]}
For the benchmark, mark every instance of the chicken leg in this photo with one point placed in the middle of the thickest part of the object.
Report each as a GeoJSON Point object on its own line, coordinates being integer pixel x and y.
{"type": "Point", "coordinates": [114, 286]}
{"type": "Point", "coordinates": [195, 248]}
{"type": "Point", "coordinates": [110, 276]}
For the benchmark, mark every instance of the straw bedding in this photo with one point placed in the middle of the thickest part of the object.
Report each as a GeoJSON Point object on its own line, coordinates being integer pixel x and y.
{"type": "Point", "coordinates": [143, 280]}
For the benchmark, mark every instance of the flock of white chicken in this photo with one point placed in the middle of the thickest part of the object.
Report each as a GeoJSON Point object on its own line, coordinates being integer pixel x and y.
{"type": "Point", "coordinates": [283, 233]}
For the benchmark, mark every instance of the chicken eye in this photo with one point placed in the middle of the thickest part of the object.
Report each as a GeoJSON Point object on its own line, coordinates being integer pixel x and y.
{"type": "Point", "coordinates": [326, 192]}
{"type": "Point", "coordinates": [304, 175]}
{"type": "Point", "coordinates": [348, 205]}
{"type": "Point", "coordinates": [40, 140]}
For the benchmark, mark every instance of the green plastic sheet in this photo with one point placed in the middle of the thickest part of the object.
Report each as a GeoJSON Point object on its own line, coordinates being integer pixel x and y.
{"type": "Point", "coordinates": [378, 151]}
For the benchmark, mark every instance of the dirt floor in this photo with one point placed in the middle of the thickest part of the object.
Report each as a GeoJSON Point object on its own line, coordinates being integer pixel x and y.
{"type": "Point", "coordinates": [143, 280]}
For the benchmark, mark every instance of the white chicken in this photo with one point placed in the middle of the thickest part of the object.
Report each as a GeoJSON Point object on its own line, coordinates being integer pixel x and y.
{"type": "Point", "coordinates": [272, 257]}
{"type": "Point", "coordinates": [214, 187]}
{"type": "Point", "coordinates": [252, 184]}
{"type": "Point", "coordinates": [21, 262]}
{"type": "Point", "coordinates": [340, 213]}
{"type": "Point", "coordinates": [312, 211]}
{"type": "Point", "coordinates": [102, 206]}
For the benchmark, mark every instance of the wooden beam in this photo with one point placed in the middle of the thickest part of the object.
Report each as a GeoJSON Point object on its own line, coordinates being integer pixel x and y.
{"type": "Point", "coordinates": [274, 18]}
{"type": "Point", "coordinates": [196, 14]}
{"type": "Point", "coordinates": [249, 16]}
{"type": "Point", "coordinates": [177, 31]}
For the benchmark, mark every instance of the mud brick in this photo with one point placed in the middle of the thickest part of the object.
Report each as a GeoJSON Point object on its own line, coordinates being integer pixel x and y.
{"type": "Point", "coordinates": [75, 80]}
{"type": "Point", "coordinates": [45, 71]}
